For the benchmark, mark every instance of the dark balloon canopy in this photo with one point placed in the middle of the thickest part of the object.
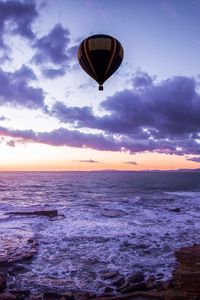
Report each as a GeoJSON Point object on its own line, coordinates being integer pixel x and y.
{"type": "Point", "coordinates": [100, 56]}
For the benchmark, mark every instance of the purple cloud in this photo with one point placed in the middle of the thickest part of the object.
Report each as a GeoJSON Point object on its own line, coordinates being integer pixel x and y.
{"type": "Point", "coordinates": [131, 163]}
{"type": "Point", "coordinates": [75, 138]}
{"type": "Point", "coordinates": [11, 143]}
{"type": "Point", "coordinates": [53, 73]}
{"type": "Point", "coordinates": [63, 137]}
{"type": "Point", "coordinates": [16, 90]}
{"type": "Point", "coordinates": [72, 114]}
{"type": "Point", "coordinates": [3, 118]}
{"type": "Point", "coordinates": [52, 48]}
{"type": "Point", "coordinates": [91, 161]}
{"type": "Point", "coordinates": [161, 117]}
{"type": "Point", "coordinates": [194, 159]}
{"type": "Point", "coordinates": [20, 15]}
{"type": "Point", "coordinates": [142, 80]}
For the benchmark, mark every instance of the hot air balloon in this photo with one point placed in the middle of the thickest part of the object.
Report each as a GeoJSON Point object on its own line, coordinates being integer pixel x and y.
{"type": "Point", "coordinates": [100, 56]}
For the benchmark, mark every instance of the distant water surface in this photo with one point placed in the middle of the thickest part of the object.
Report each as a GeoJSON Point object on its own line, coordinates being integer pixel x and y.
{"type": "Point", "coordinates": [109, 221]}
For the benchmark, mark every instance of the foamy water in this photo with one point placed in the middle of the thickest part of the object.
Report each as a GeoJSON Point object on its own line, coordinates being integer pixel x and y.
{"type": "Point", "coordinates": [108, 221]}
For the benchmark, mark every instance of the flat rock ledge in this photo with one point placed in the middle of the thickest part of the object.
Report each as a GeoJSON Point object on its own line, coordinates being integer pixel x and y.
{"type": "Point", "coordinates": [44, 213]}
{"type": "Point", "coordinates": [184, 285]}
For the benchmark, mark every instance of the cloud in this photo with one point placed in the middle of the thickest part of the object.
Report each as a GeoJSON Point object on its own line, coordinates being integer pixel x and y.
{"type": "Point", "coordinates": [51, 52]}
{"type": "Point", "coordinates": [72, 114]}
{"type": "Point", "coordinates": [53, 73]}
{"type": "Point", "coordinates": [3, 118]}
{"type": "Point", "coordinates": [194, 159]}
{"type": "Point", "coordinates": [91, 161]}
{"type": "Point", "coordinates": [63, 137]}
{"type": "Point", "coordinates": [131, 163]}
{"type": "Point", "coordinates": [161, 116]}
{"type": "Point", "coordinates": [16, 17]}
{"type": "Point", "coordinates": [11, 143]}
{"type": "Point", "coordinates": [15, 89]}
{"type": "Point", "coordinates": [142, 80]}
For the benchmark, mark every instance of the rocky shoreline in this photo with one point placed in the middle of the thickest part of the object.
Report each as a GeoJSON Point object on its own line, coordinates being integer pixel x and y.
{"type": "Point", "coordinates": [183, 285]}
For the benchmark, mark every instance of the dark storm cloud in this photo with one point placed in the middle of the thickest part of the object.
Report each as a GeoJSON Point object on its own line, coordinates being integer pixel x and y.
{"type": "Point", "coordinates": [15, 89]}
{"type": "Point", "coordinates": [17, 17]}
{"type": "Point", "coordinates": [161, 117]}
{"type": "Point", "coordinates": [52, 48]}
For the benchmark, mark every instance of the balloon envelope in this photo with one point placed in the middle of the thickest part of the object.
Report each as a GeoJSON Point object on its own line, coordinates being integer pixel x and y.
{"type": "Point", "coordinates": [100, 56]}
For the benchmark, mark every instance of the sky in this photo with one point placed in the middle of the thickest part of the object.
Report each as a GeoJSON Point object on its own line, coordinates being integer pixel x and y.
{"type": "Point", "coordinates": [54, 118]}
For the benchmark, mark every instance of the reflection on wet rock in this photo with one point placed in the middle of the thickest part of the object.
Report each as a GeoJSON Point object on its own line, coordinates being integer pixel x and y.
{"type": "Point", "coordinates": [16, 247]}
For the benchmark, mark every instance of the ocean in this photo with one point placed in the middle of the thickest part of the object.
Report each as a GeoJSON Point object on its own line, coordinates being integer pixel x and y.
{"type": "Point", "coordinates": [107, 221]}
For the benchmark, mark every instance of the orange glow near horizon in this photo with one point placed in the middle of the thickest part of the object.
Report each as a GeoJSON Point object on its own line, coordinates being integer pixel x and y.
{"type": "Point", "coordinates": [39, 157]}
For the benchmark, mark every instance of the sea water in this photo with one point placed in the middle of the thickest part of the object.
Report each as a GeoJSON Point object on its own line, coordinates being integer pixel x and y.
{"type": "Point", "coordinates": [108, 221]}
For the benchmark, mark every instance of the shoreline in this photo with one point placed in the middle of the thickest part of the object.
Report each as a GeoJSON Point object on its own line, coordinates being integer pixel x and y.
{"type": "Point", "coordinates": [183, 285]}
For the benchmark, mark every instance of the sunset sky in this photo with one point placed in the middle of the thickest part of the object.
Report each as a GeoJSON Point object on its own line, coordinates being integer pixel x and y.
{"type": "Point", "coordinates": [52, 115]}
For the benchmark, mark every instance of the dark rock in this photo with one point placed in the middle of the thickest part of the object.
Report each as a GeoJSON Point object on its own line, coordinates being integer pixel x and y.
{"type": "Point", "coordinates": [46, 213]}
{"type": "Point", "coordinates": [165, 285]}
{"type": "Point", "coordinates": [83, 295]}
{"type": "Point", "coordinates": [109, 275]}
{"type": "Point", "coordinates": [15, 270]}
{"type": "Point", "coordinates": [187, 274]}
{"type": "Point", "coordinates": [3, 283]}
{"type": "Point", "coordinates": [119, 283]}
{"type": "Point", "coordinates": [151, 283]}
{"type": "Point", "coordinates": [108, 290]}
{"type": "Point", "coordinates": [68, 296]}
{"type": "Point", "coordinates": [23, 293]}
{"type": "Point", "coordinates": [7, 296]}
{"type": "Point", "coordinates": [136, 277]}
{"type": "Point", "coordinates": [133, 287]}
{"type": "Point", "coordinates": [176, 209]}
{"type": "Point", "coordinates": [36, 297]}
{"type": "Point", "coordinates": [51, 296]}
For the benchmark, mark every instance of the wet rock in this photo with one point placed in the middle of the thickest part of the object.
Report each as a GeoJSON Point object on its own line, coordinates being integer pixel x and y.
{"type": "Point", "coordinates": [108, 290]}
{"type": "Point", "coordinates": [16, 246]}
{"type": "Point", "coordinates": [133, 287]}
{"type": "Point", "coordinates": [15, 270]}
{"type": "Point", "coordinates": [151, 283]}
{"type": "Point", "coordinates": [165, 285]}
{"type": "Point", "coordinates": [46, 213]}
{"type": "Point", "coordinates": [7, 296]}
{"type": "Point", "coordinates": [21, 294]}
{"type": "Point", "coordinates": [36, 297]}
{"type": "Point", "coordinates": [176, 209]}
{"type": "Point", "coordinates": [51, 296]}
{"type": "Point", "coordinates": [113, 213]}
{"type": "Point", "coordinates": [83, 295]}
{"type": "Point", "coordinates": [3, 283]}
{"type": "Point", "coordinates": [187, 274]}
{"type": "Point", "coordinates": [136, 277]}
{"type": "Point", "coordinates": [120, 283]}
{"type": "Point", "coordinates": [67, 296]}
{"type": "Point", "coordinates": [109, 275]}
